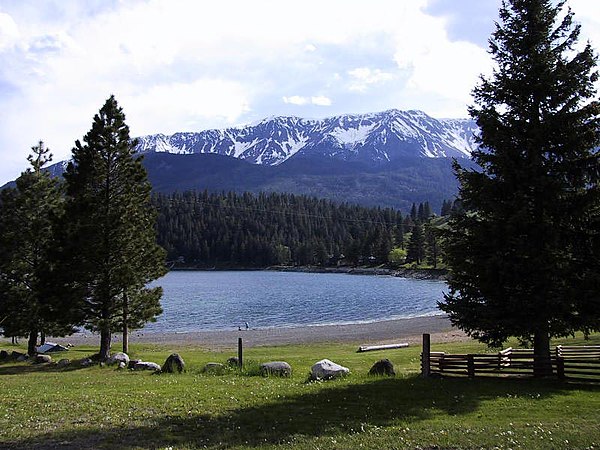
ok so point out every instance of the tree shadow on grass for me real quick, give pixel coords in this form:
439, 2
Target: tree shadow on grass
333, 409
13, 368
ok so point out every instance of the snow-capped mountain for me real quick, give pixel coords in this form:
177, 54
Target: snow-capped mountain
374, 138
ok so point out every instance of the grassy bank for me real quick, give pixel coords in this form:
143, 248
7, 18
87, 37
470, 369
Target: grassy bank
99, 407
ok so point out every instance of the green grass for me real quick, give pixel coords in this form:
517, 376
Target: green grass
100, 407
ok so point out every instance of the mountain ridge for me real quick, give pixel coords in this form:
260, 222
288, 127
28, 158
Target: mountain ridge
375, 138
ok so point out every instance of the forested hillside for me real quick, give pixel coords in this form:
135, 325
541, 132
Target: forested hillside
244, 230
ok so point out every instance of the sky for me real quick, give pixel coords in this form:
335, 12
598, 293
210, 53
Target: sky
191, 65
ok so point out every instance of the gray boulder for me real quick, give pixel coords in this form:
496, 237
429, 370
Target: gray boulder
174, 363
3, 355
16, 355
233, 361
86, 362
122, 365
133, 362
42, 359
63, 363
213, 368
326, 370
146, 365
22, 358
279, 368
118, 358
383, 367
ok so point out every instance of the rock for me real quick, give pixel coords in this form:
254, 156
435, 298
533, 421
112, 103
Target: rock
118, 358
122, 365
133, 362
16, 355
213, 367
325, 370
22, 358
279, 368
233, 361
147, 365
86, 362
3, 355
383, 367
174, 363
63, 363
42, 359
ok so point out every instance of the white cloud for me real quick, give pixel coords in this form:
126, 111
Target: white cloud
364, 76
319, 100
9, 31
296, 100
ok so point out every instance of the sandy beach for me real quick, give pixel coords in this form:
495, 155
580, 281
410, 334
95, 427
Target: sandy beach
384, 332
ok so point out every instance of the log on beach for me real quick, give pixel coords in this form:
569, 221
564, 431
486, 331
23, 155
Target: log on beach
370, 348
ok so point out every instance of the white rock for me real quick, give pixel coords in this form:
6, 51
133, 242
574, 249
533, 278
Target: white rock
144, 365
326, 369
118, 358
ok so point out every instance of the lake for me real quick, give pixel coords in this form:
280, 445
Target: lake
221, 300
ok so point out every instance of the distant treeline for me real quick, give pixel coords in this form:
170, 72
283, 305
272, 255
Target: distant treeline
204, 229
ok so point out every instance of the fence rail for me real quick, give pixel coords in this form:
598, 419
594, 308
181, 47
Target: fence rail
581, 363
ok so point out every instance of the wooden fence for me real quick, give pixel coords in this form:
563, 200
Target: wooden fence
580, 363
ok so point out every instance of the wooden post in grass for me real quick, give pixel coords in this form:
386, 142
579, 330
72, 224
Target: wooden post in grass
240, 352
425, 356
560, 364
471, 366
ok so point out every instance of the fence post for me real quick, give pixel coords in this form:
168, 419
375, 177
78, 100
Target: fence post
471, 366
560, 364
240, 348
425, 356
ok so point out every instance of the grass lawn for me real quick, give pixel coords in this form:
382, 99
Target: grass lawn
100, 407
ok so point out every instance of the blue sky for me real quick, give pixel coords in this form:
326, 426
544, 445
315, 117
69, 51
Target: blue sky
187, 65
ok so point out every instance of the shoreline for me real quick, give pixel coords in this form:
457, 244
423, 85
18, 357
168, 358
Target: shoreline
372, 333
417, 274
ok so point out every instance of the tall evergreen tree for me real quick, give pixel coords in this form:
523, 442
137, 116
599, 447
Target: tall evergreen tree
27, 213
522, 252
416, 245
110, 234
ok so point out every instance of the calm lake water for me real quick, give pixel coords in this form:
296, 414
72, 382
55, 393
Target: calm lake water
200, 301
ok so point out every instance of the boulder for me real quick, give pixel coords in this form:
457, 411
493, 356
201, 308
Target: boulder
3, 355
174, 363
326, 369
16, 355
383, 367
42, 359
213, 367
86, 362
147, 365
133, 362
22, 358
279, 368
118, 358
122, 365
63, 363
233, 361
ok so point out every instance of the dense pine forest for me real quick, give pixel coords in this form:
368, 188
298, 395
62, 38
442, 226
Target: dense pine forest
204, 229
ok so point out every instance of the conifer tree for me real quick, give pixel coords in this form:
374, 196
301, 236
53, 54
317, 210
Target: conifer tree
110, 234
521, 252
27, 213
416, 245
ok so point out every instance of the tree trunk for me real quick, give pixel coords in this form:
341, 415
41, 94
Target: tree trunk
104, 352
542, 364
125, 326
31, 343
42, 338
